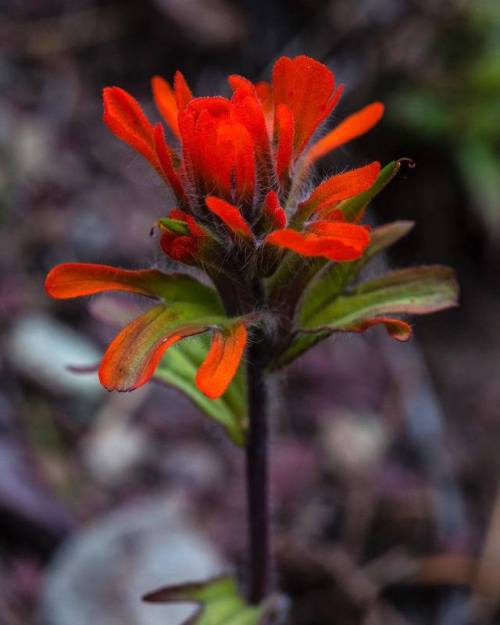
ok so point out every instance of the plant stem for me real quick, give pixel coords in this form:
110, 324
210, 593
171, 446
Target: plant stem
257, 470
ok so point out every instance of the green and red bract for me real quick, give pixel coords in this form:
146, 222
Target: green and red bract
270, 247
185, 307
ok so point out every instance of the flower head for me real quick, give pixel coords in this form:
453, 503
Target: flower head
246, 215
228, 154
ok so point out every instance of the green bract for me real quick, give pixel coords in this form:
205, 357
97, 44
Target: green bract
220, 603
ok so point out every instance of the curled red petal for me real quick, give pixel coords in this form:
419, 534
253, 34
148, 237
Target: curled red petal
396, 328
183, 248
79, 279
230, 215
350, 128
222, 361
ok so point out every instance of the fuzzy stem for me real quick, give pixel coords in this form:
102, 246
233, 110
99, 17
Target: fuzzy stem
257, 472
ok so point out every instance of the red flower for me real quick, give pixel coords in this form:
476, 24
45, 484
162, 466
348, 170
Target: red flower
237, 168
237, 150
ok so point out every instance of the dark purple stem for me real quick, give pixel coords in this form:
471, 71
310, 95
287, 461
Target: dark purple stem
258, 356
257, 470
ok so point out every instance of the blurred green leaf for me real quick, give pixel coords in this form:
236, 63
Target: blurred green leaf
481, 170
219, 602
418, 290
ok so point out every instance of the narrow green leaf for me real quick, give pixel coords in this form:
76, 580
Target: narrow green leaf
354, 207
219, 600
418, 290
178, 368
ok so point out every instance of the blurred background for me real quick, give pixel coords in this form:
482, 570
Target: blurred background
385, 466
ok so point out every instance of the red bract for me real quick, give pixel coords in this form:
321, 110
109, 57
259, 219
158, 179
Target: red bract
236, 150
238, 170
184, 307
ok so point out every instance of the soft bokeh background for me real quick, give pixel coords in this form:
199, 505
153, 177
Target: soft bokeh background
385, 456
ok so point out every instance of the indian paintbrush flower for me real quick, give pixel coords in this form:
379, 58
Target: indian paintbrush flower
248, 217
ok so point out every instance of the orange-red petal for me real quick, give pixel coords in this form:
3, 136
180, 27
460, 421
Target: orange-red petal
340, 187
78, 279
166, 102
307, 87
183, 94
248, 111
183, 248
125, 118
273, 211
164, 156
265, 94
284, 123
337, 241
237, 145
350, 128
132, 357
396, 328
222, 361
240, 82
229, 214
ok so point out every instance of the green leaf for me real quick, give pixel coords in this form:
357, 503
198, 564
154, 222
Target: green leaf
178, 368
332, 281
418, 290
354, 208
337, 276
219, 603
